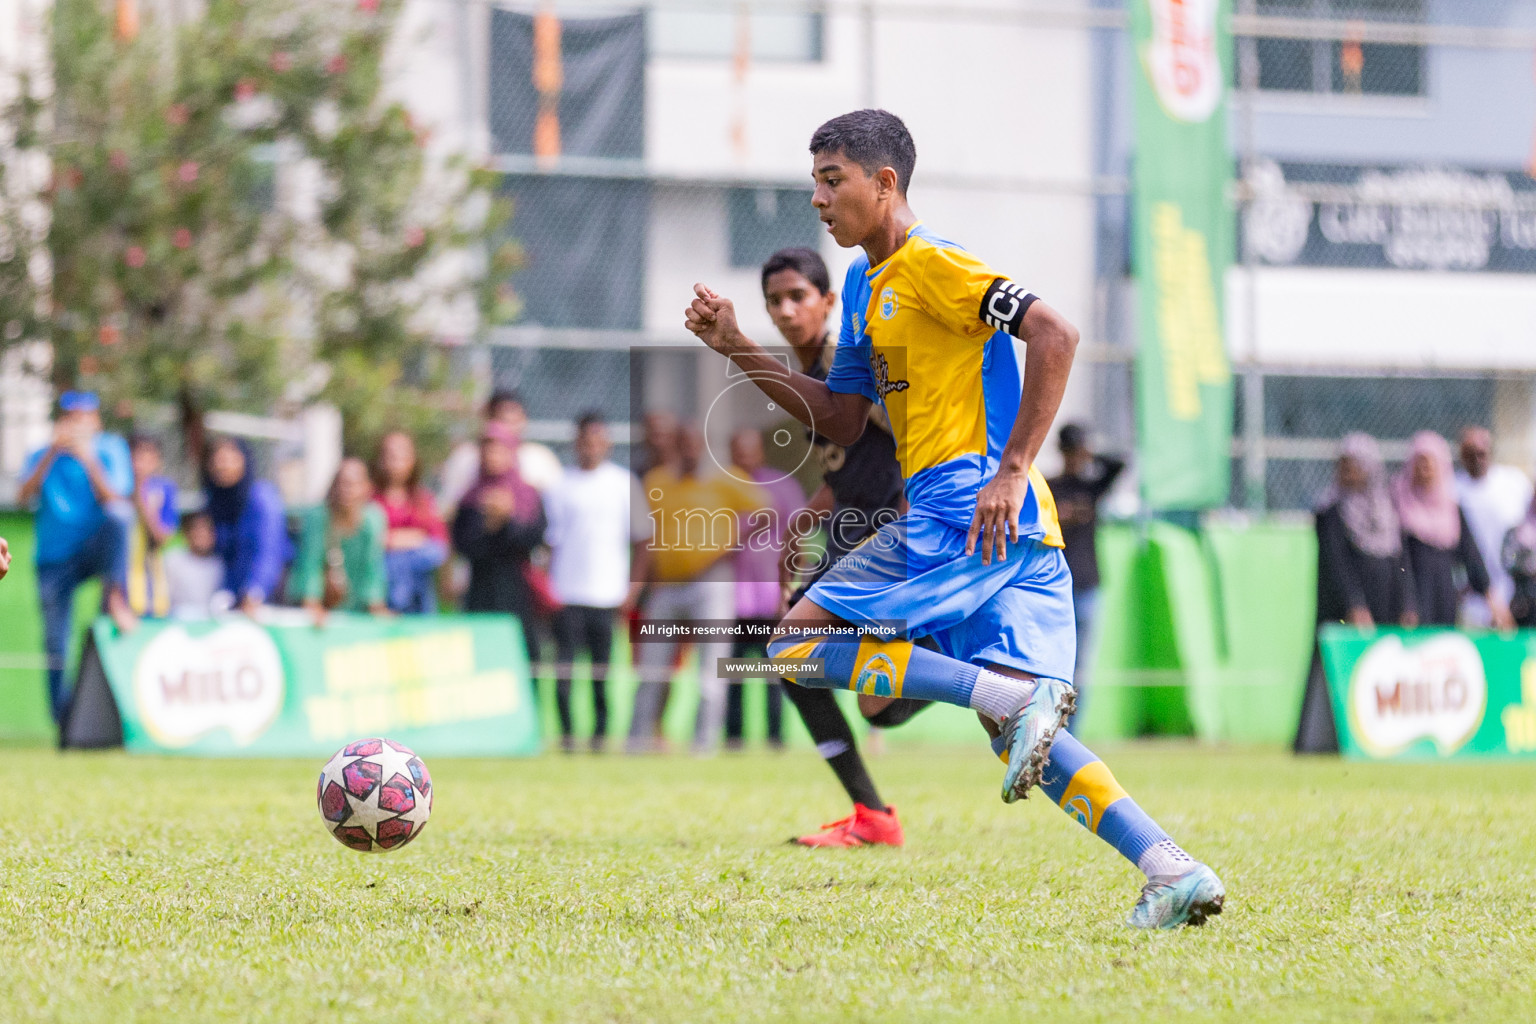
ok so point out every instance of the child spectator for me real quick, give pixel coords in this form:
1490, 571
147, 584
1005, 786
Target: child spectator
154, 506
417, 541
194, 574
340, 564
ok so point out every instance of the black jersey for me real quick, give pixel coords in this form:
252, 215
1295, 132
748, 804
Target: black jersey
865, 479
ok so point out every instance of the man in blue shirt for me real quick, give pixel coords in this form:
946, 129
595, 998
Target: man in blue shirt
79, 486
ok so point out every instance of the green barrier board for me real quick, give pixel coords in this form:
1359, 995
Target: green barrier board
1431, 694
446, 685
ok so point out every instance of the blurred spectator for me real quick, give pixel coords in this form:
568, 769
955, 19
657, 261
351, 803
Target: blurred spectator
250, 532
596, 517
417, 540
762, 580
1494, 499
1436, 539
658, 443
500, 521
5, 557
340, 564
80, 484
1519, 560
194, 573
1363, 577
690, 576
156, 516
537, 465
1085, 478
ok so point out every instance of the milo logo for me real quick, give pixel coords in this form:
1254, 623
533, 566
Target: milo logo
186, 687
1181, 59
1434, 690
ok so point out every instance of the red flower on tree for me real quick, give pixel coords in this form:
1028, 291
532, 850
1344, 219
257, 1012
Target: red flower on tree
118, 160
281, 61
337, 64
134, 256
109, 334
244, 89
414, 236
187, 172
182, 239
368, 6
177, 114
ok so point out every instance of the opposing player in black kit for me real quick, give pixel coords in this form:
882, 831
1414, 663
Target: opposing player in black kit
861, 490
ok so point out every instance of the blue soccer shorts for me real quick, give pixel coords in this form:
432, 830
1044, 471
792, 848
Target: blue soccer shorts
914, 571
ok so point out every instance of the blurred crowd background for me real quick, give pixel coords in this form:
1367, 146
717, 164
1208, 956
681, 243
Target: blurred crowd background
303, 238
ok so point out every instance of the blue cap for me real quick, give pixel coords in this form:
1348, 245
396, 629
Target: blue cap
79, 401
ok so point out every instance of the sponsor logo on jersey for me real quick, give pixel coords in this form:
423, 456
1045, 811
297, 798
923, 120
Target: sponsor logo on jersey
882, 372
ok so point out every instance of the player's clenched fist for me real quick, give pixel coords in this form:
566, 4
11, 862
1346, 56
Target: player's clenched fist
713, 319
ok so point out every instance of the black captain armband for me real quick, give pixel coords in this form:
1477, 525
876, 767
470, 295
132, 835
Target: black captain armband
1004, 305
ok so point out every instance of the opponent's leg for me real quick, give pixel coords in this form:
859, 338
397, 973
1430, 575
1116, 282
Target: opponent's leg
1179, 889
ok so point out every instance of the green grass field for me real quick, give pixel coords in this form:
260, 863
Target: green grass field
614, 889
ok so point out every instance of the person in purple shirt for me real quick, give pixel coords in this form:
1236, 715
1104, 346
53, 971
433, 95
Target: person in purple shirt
762, 579
251, 533
79, 485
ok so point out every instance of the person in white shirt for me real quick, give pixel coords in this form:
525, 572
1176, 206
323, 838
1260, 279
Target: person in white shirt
1494, 499
194, 574
597, 518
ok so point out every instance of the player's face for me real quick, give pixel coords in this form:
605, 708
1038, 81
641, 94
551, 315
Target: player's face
847, 200
798, 308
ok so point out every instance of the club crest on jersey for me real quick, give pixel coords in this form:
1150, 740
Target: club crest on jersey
877, 677
882, 372
888, 303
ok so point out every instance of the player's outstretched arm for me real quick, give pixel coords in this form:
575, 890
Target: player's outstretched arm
833, 415
1050, 343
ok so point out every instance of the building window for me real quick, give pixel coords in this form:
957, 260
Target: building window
765, 220
1341, 67
716, 35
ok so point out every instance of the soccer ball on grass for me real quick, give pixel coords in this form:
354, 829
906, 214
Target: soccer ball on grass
375, 795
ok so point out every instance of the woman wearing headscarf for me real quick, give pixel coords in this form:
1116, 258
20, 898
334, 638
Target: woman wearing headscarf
1362, 575
250, 532
1436, 539
1520, 562
499, 522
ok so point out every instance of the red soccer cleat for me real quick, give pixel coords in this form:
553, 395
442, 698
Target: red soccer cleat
864, 827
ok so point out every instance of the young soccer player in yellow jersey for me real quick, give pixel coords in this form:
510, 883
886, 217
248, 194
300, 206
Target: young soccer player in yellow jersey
976, 564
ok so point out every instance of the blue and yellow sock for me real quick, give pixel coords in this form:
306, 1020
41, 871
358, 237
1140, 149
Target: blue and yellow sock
1083, 786
898, 668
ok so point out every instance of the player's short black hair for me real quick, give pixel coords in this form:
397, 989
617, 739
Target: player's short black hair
590, 418
805, 262
872, 139
502, 397
1073, 438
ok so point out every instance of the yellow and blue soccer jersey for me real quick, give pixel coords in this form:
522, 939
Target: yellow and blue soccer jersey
920, 335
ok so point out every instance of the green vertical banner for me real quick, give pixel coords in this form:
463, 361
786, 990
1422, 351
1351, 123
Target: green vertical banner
1182, 244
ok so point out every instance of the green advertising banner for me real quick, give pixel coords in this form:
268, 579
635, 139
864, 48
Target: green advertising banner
1430, 694
1182, 244
442, 685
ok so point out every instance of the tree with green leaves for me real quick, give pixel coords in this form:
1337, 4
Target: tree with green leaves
228, 212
